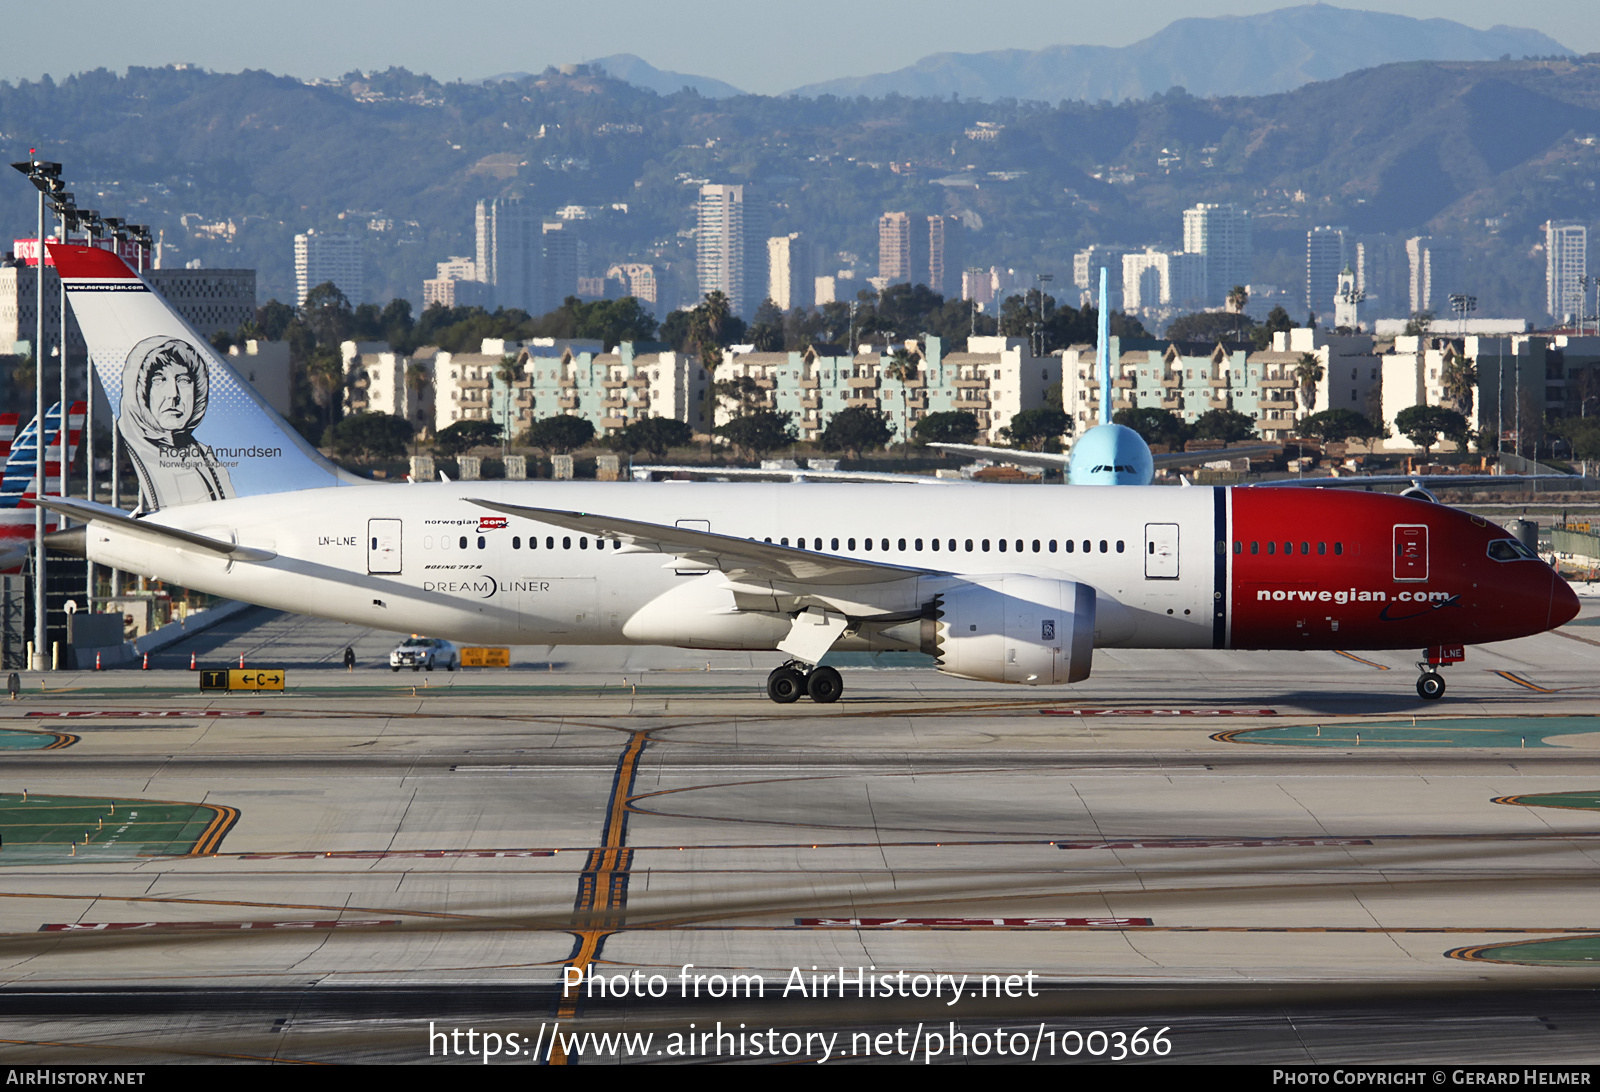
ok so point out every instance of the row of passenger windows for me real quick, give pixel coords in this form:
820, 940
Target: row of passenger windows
1271, 548
465, 543
982, 545
935, 545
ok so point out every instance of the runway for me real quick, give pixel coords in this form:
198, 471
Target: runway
1280, 857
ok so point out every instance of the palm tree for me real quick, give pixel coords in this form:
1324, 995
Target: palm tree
417, 381
509, 373
1308, 373
326, 375
1459, 379
1238, 297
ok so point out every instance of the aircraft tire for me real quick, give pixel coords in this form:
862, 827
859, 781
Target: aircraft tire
1431, 686
824, 685
785, 685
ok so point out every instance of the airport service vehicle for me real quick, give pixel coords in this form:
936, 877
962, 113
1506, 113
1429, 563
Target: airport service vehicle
424, 652
1014, 584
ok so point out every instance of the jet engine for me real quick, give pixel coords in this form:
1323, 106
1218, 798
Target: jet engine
1015, 629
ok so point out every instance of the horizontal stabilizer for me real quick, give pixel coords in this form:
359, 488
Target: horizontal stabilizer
91, 513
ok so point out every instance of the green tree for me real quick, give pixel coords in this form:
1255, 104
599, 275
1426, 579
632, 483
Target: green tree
755, 434
1209, 326
371, 436
947, 427
463, 436
1423, 425
273, 318
1227, 425
1418, 324
856, 429
1037, 429
560, 435
1334, 425
1278, 321
329, 315
652, 435
766, 329
1154, 425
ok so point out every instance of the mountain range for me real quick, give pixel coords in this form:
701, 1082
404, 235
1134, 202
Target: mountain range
1261, 54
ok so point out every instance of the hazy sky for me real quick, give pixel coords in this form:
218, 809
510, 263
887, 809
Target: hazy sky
766, 46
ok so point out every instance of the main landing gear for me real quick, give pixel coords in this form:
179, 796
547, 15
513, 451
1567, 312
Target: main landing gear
794, 680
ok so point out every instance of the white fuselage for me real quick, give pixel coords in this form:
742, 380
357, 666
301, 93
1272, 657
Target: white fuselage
424, 559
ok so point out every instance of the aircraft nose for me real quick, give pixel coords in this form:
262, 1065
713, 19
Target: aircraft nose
1563, 602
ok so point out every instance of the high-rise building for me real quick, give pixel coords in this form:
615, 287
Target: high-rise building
510, 239
946, 253
1381, 273
320, 258
560, 255
455, 284
1566, 263
791, 271
724, 265
1222, 234
1327, 254
895, 244
1152, 279
636, 279
1433, 265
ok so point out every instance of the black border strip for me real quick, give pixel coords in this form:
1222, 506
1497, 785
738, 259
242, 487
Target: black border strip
1219, 589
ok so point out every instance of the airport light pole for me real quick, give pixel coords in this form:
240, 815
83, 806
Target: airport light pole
46, 178
1463, 306
1041, 279
71, 217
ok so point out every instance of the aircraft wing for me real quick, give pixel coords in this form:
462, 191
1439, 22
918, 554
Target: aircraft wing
1198, 458
799, 475
1419, 481
1019, 458
738, 557
1048, 459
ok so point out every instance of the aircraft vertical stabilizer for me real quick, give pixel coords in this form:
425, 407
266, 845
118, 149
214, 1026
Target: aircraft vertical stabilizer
193, 428
1102, 353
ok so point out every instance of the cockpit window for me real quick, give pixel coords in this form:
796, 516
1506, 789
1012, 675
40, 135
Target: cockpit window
1509, 549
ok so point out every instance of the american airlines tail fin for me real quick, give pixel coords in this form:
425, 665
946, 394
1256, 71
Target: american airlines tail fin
19, 483
8, 433
193, 428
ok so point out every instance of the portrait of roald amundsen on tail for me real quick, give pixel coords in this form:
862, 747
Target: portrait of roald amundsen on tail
164, 391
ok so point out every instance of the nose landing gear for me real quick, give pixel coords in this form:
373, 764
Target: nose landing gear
794, 679
1430, 686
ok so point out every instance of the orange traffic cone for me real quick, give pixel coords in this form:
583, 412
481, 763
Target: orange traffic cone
97, 661
191, 661
146, 666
